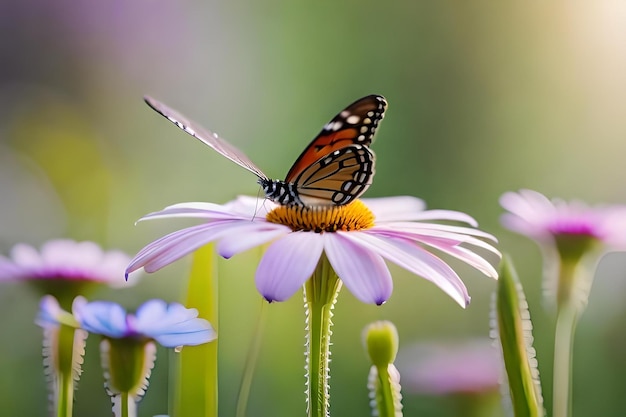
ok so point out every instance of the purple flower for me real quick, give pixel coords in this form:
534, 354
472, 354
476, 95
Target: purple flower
64, 259
356, 239
551, 221
171, 325
571, 235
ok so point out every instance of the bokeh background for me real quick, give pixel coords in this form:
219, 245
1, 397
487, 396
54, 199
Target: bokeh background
485, 97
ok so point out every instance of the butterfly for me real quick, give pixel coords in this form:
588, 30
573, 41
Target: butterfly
335, 169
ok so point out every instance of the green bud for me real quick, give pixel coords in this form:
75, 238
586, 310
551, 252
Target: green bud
381, 341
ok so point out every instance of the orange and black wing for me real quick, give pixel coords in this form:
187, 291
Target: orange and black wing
337, 178
355, 125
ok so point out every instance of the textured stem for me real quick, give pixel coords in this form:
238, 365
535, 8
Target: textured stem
386, 400
320, 295
65, 376
563, 354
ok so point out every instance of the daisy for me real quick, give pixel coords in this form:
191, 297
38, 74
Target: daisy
573, 227
572, 236
567, 233
128, 349
356, 239
63, 267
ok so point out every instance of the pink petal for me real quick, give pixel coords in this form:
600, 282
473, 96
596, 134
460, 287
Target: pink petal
416, 260
466, 255
287, 264
175, 245
233, 244
447, 215
364, 272
444, 231
207, 211
26, 256
395, 208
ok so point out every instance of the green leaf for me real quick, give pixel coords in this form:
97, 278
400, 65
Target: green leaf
514, 331
196, 393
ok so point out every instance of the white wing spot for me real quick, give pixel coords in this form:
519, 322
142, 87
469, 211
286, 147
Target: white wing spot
361, 138
337, 126
364, 129
367, 121
344, 114
354, 119
370, 114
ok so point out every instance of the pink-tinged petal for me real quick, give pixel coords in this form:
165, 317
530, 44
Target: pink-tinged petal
287, 264
174, 246
449, 246
443, 231
395, 208
26, 256
233, 244
416, 260
434, 238
363, 272
526, 203
206, 211
445, 215
469, 257
9, 270
251, 206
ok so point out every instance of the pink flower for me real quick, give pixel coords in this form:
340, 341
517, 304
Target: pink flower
534, 215
356, 239
64, 259
572, 237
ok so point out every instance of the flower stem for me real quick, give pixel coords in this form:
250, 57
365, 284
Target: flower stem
125, 404
320, 295
563, 353
196, 393
251, 361
65, 377
386, 401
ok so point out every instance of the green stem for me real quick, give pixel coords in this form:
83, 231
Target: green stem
196, 393
65, 377
251, 360
320, 294
125, 404
563, 354
385, 397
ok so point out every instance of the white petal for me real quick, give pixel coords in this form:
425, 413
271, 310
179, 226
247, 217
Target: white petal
395, 208
174, 246
287, 264
447, 215
196, 210
232, 244
417, 260
363, 271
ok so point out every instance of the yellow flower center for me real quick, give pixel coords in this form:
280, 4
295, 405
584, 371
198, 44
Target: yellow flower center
351, 217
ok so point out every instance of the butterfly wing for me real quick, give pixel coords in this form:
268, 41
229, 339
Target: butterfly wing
356, 124
205, 136
337, 178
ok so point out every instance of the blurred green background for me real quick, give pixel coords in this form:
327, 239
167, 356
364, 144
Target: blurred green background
485, 97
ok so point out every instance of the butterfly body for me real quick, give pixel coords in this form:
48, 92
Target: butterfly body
335, 169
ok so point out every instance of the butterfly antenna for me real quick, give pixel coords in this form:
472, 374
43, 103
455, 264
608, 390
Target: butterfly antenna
256, 207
